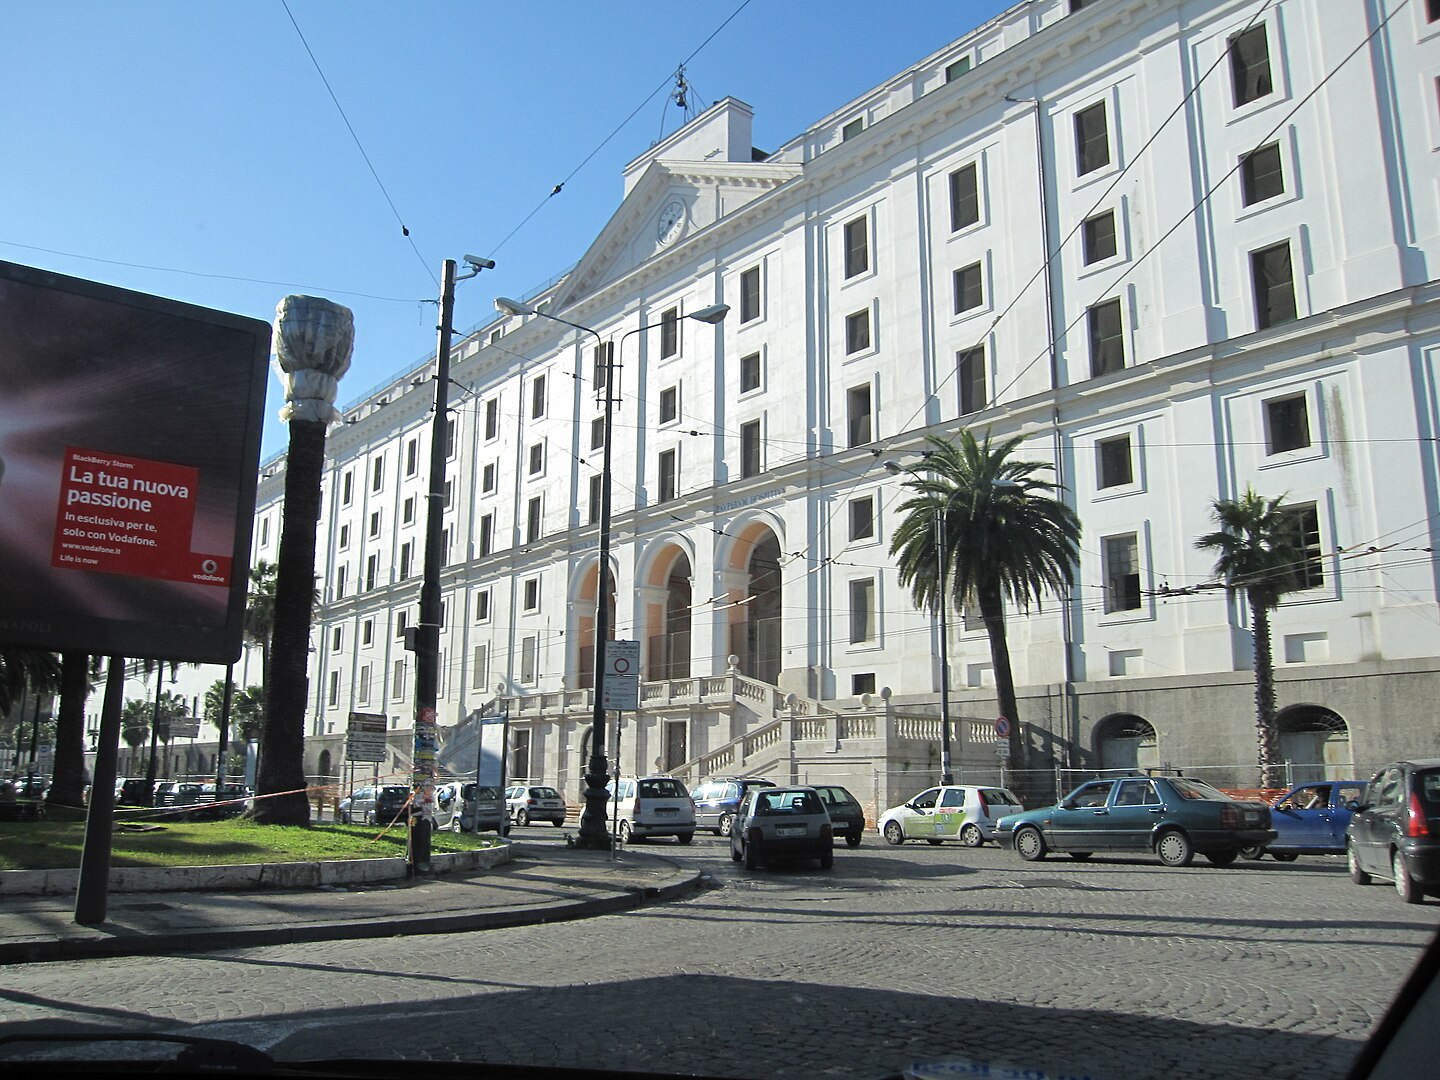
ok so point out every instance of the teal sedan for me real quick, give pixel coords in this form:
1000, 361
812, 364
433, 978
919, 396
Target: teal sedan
1173, 816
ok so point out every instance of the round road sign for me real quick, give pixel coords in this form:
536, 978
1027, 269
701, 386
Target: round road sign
1002, 727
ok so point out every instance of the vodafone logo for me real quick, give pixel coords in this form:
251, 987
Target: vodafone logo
209, 566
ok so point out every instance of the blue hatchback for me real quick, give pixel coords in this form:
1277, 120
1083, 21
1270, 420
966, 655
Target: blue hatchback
717, 800
1310, 819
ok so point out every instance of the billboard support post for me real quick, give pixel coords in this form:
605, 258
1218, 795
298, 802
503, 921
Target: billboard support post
92, 894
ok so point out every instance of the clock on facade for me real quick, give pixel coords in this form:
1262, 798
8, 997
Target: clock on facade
670, 222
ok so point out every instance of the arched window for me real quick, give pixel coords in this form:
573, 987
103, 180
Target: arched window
1126, 742
1315, 744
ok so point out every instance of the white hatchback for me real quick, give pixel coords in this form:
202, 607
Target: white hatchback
955, 812
652, 806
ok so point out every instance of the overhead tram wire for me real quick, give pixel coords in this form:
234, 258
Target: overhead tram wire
404, 229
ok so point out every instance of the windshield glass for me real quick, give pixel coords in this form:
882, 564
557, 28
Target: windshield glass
661, 789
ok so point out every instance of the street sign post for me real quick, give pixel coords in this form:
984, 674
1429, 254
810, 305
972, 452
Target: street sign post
620, 683
365, 737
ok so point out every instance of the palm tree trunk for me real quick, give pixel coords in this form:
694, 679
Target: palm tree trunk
1265, 736
282, 748
992, 611
68, 785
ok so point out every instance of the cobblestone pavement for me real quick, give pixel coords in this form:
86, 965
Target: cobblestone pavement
1114, 968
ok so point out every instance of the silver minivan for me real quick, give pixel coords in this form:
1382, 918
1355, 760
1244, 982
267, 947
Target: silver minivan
652, 806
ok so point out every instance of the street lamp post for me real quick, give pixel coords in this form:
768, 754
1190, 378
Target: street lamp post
593, 832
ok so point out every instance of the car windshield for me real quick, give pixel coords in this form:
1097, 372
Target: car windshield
1427, 783
787, 802
1188, 788
835, 796
662, 788
544, 793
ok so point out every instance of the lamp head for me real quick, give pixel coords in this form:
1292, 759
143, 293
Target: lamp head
713, 314
506, 306
893, 467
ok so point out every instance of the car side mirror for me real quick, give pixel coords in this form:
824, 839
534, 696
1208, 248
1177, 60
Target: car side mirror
1354, 804
1066, 804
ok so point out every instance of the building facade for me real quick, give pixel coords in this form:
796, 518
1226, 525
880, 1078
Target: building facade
1181, 247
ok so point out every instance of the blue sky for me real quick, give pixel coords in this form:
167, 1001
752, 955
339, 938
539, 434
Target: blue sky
191, 149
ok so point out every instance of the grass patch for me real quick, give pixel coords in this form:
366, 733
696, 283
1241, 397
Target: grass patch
56, 845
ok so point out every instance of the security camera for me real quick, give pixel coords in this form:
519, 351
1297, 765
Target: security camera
479, 263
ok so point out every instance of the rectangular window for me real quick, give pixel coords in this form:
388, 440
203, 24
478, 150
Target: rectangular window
596, 482
969, 288
974, 393
537, 459
956, 68
669, 332
367, 631
853, 128
857, 247
449, 494
532, 521
862, 518
492, 418
750, 448
377, 474
372, 568
1116, 468
480, 667
412, 457
1287, 424
487, 479
599, 371
397, 680
857, 409
1099, 235
402, 623
445, 546
374, 524
1274, 285
364, 691
344, 537
862, 610
1092, 139
407, 511
495, 335
487, 534
537, 397
482, 606
532, 594
750, 373
1250, 65
407, 553
1122, 573
1262, 175
597, 433
264, 531
340, 582
334, 695
347, 487
1304, 522
750, 294
669, 404
857, 331
1107, 343
529, 655
964, 197
862, 683
520, 754
667, 475
337, 638
450, 429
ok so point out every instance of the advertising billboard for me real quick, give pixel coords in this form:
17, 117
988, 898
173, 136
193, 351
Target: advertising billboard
129, 446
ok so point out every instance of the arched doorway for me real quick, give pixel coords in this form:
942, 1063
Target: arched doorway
585, 609
324, 764
755, 629
668, 648
1315, 744
1126, 742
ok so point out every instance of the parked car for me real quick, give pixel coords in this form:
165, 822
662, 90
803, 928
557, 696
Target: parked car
1173, 816
1395, 830
482, 809
534, 802
1310, 819
847, 816
447, 803
782, 823
130, 791
652, 806
717, 799
374, 805
963, 812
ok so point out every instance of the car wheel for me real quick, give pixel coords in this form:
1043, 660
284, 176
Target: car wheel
369, 817
624, 832
1360, 877
932, 841
894, 834
1284, 856
735, 856
521, 817
1222, 858
752, 857
685, 837
1081, 856
1030, 844
1253, 852
971, 836
722, 827
852, 839
344, 817
827, 860
1405, 885
1174, 848
559, 823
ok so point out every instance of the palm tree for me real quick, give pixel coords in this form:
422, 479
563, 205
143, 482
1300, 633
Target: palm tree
23, 672
135, 723
260, 612
1262, 555
67, 786
1007, 538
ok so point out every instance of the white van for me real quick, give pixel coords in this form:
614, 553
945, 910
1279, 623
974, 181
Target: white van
652, 806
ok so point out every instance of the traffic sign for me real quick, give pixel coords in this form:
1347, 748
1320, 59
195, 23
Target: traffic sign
1002, 727
1002, 749
620, 682
365, 737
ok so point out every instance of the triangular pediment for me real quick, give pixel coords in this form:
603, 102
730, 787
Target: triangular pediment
668, 206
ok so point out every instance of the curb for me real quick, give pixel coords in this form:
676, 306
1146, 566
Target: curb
96, 944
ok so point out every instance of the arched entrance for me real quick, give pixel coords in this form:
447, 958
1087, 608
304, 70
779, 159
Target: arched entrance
1315, 744
324, 764
1128, 742
755, 614
668, 619
584, 611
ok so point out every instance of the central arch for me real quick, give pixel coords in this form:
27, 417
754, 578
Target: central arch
584, 608
1126, 742
756, 636
1315, 744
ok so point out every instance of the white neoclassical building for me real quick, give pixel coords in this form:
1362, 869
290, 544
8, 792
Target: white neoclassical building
1182, 247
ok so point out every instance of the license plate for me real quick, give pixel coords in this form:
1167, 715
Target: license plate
667, 810
790, 830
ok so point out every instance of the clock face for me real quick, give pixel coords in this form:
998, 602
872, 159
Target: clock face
670, 222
